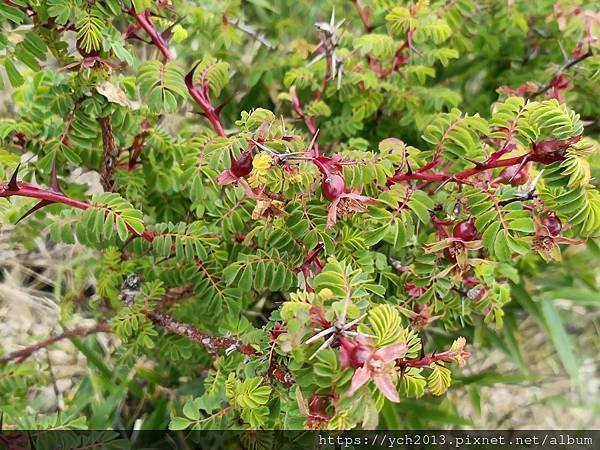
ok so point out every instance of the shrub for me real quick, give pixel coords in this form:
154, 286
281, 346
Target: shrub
306, 223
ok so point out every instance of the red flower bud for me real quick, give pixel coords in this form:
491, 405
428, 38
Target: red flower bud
465, 230
333, 186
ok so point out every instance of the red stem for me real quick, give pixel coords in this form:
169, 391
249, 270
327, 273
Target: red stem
364, 16
397, 62
146, 23
204, 103
427, 360
461, 175
31, 191
144, 20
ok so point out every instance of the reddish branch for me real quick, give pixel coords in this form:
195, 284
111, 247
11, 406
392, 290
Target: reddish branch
543, 152
566, 66
211, 343
428, 360
198, 93
310, 121
21, 355
364, 16
400, 58
420, 175
16, 188
145, 21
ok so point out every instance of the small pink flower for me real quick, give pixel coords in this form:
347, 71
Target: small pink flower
379, 366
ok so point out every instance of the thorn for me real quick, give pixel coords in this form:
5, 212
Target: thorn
312, 142
320, 334
166, 35
525, 161
12, 184
189, 78
472, 161
445, 182
264, 148
37, 206
223, 104
323, 346
54, 179
316, 59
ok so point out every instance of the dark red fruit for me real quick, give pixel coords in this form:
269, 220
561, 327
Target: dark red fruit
465, 230
553, 224
552, 150
241, 166
514, 176
333, 186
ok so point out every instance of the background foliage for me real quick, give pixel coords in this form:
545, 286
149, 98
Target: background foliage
393, 172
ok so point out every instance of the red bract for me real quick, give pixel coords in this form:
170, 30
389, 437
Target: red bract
465, 230
514, 175
317, 316
278, 330
560, 82
354, 353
